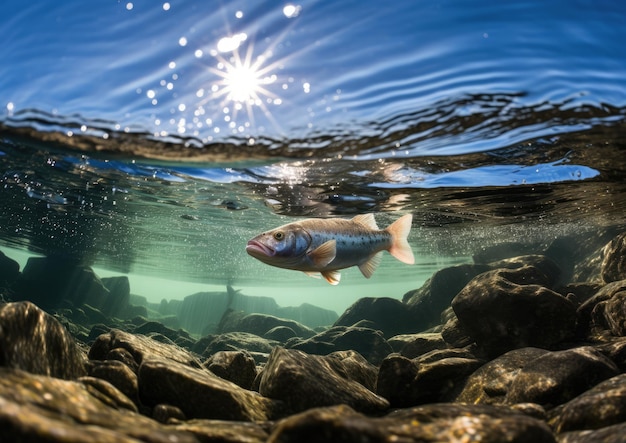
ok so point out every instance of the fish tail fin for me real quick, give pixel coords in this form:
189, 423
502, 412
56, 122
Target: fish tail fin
400, 247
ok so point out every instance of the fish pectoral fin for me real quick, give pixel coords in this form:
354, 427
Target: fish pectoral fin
368, 268
324, 253
332, 277
313, 274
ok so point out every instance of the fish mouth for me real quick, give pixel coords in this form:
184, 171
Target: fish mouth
256, 249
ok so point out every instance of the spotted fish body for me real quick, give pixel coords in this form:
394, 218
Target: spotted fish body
327, 245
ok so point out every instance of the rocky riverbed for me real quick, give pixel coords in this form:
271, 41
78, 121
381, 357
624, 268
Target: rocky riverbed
524, 344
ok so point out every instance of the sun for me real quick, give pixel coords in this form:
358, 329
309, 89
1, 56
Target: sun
243, 81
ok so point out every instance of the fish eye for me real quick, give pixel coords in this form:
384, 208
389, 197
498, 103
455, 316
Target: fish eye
279, 235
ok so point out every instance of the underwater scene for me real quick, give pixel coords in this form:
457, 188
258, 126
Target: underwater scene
313, 221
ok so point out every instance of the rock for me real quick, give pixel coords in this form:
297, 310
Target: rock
586, 252
307, 314
239, 341
612, 314
369, 343
593, 320
203, 310
118, 374
140, 348
430, 423
614, 259
221, 431
579, 293
260, 324
543, 264
616, 351
164, 413
388, 315
201, 394
454, 334
118, 301
405, 382
508, 309
609, 434
600, 406
280, 333
40, 408
151, 327
36, 342
9, 270
353, 366
305, 381
235, 366
556, 377
48, 282
414, 345
490, 383
428, 302
107, 393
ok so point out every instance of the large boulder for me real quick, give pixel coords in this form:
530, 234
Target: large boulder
37, 408
48, 282
507, 309
428, 302
429, 423
432, 377
201, 394
306, 381
34, 341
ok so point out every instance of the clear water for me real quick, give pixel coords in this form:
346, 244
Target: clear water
154, 139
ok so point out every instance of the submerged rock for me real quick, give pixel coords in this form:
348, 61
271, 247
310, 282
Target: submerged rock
305, 381
556, 377
388, 315
235, 366
614, 259
433, 377
119, 345
368, 342
600, 316
36, 342
508, 309
491, 382
239, 341
40, 408
599, 407
48, 282
428, 302
260, 324
414, 345
201, 394
9, 270
430, 423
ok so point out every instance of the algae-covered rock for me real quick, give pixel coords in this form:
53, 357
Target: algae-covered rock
305, 381
36, 342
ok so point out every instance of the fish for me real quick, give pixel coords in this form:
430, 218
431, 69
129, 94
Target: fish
324, 246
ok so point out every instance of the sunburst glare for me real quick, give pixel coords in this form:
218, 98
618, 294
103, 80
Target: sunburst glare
243, 83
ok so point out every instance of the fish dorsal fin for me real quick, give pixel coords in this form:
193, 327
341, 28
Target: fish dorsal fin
368, 268
366, 220
332, 277
324, 253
